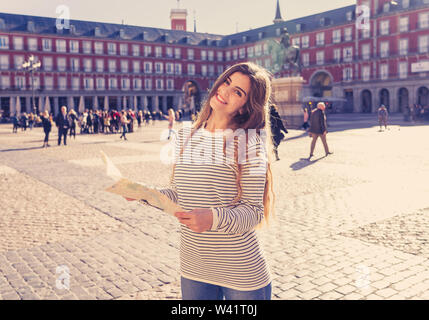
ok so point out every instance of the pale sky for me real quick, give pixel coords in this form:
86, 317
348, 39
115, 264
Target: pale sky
213, 16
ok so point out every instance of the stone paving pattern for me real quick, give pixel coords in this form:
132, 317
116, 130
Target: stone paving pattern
353, 225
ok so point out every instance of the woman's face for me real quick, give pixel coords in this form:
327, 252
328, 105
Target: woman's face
231, 96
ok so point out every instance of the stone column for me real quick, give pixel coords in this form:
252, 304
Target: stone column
12, 103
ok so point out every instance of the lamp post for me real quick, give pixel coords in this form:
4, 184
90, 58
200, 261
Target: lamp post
32, 66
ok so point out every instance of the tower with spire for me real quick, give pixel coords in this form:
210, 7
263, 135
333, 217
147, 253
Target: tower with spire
178, 18
278, 17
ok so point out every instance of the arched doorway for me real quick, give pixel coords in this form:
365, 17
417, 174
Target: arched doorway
423, 96
191, 96
384, 98
366, 100
321, 85
403, 102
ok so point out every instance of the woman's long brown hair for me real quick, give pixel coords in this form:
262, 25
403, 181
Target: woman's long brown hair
255, 115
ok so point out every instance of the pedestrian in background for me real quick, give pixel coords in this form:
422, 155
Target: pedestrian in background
47, 126
24, 122
124, 123
73, 122
15, 123
63, 125
171, 119
318, 128
277, 129
382, 117
31, 120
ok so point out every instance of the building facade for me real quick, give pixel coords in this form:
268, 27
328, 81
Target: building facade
375, 52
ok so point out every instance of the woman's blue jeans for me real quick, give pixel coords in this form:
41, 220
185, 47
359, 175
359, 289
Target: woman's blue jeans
195, 290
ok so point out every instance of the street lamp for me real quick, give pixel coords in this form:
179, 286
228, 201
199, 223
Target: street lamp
32, 66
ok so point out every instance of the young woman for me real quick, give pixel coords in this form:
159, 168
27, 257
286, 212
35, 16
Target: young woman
171, 119
47, 126
222, 178
124, 123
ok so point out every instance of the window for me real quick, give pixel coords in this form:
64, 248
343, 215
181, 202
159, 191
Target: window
267, 63
112, 65
18, 43
47, 63
159, 84
384, 71
211, 70
74, 46
87, 47
123, 48
424, 20
250, 52
384, 27
136, 50
348, 54
211, 55
49, 83
366, 73
384, 49
403, 47
320, 57
124, 66
423, 44
158, 52
404, 23
366, 51
336, 36
170, 84
87, 65
204, 70
111, 48
220, 56
100, 65
20, 82
47, 44
36, 83
75, 83
18, 60
228, 56
235, 54
5, 82
337, 55
32, 45
191, 69
305, 42
125, 84
98, 47
4, 42
403, 69
296, 42
305, 59
169, 68
347, 74
61, 64
100, 84
113, 83
159, 68
62, 83
74, 63
190, 54
242, 53
147, 51
265, 47
320, 39
137, 84
148, 84
178, 68
136, 66
405, 4
348, 34
148, 67
60, 45
203, 55
169, 52
177, 53
366, 33
219, 69
4, 62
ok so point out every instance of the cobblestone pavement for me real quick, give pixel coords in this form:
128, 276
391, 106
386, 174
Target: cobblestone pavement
353, 225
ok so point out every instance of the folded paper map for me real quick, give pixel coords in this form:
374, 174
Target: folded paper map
132, 190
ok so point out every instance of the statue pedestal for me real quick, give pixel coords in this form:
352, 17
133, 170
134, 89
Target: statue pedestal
287, 95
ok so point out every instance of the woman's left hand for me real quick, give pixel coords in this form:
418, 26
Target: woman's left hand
198, 220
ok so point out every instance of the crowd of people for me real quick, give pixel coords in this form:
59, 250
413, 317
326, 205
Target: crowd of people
93, 122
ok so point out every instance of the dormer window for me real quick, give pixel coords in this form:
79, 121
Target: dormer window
405, 4
30, 26
245, 39
122, 33
386, 7
2, 25
349, 15
260, 35
97, 32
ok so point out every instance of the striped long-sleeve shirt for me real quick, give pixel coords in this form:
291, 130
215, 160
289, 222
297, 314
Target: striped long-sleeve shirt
229, 254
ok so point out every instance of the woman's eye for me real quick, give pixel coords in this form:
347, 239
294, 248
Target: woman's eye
238, 93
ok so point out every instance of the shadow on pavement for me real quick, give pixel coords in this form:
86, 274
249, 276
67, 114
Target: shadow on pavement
21, 149
303, 163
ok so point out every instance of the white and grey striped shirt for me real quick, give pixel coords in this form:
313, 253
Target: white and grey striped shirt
229, 254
